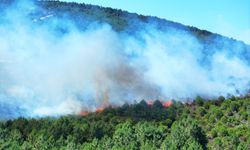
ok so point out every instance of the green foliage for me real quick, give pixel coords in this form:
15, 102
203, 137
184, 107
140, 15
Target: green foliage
187, 133
201, 111
203, 124
138, 126
199, 101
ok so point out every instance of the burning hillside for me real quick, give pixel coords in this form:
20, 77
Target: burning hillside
150, 103
55, 60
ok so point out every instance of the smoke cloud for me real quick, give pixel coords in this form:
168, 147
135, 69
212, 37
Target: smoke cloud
44, 71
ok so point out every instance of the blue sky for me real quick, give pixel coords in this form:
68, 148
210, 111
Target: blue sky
226, 17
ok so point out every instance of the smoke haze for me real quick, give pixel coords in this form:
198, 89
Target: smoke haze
44, 71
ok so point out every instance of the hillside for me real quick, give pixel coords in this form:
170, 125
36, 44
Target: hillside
84, 15
217, 124
77, 76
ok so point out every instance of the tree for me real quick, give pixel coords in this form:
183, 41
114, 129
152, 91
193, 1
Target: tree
221, 98
192, 145
234, 106
184, 131
148, 133
201, 111
199, 101
124, 136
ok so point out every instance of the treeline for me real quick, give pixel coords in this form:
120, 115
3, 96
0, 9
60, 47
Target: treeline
202, 124
84, 16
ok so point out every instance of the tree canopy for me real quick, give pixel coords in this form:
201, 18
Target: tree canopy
215, 124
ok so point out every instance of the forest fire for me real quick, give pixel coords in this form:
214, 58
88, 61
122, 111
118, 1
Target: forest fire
150, 103
164, 103
99, 110
167, 103
84, 113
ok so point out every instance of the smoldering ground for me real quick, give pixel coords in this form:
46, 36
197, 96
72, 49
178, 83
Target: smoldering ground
46, 72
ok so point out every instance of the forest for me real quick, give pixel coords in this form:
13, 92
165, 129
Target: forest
202, 124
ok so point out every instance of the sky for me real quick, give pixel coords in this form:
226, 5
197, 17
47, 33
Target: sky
227, 17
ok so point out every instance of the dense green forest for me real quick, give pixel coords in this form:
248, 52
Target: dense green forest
202, 124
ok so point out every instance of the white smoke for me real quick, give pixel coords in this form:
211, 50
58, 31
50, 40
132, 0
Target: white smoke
46, 72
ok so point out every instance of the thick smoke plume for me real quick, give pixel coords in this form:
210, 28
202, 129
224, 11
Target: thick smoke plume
44, 71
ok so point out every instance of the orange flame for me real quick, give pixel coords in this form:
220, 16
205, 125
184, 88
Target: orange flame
167, 103
84, 113
150, 102
100, 109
